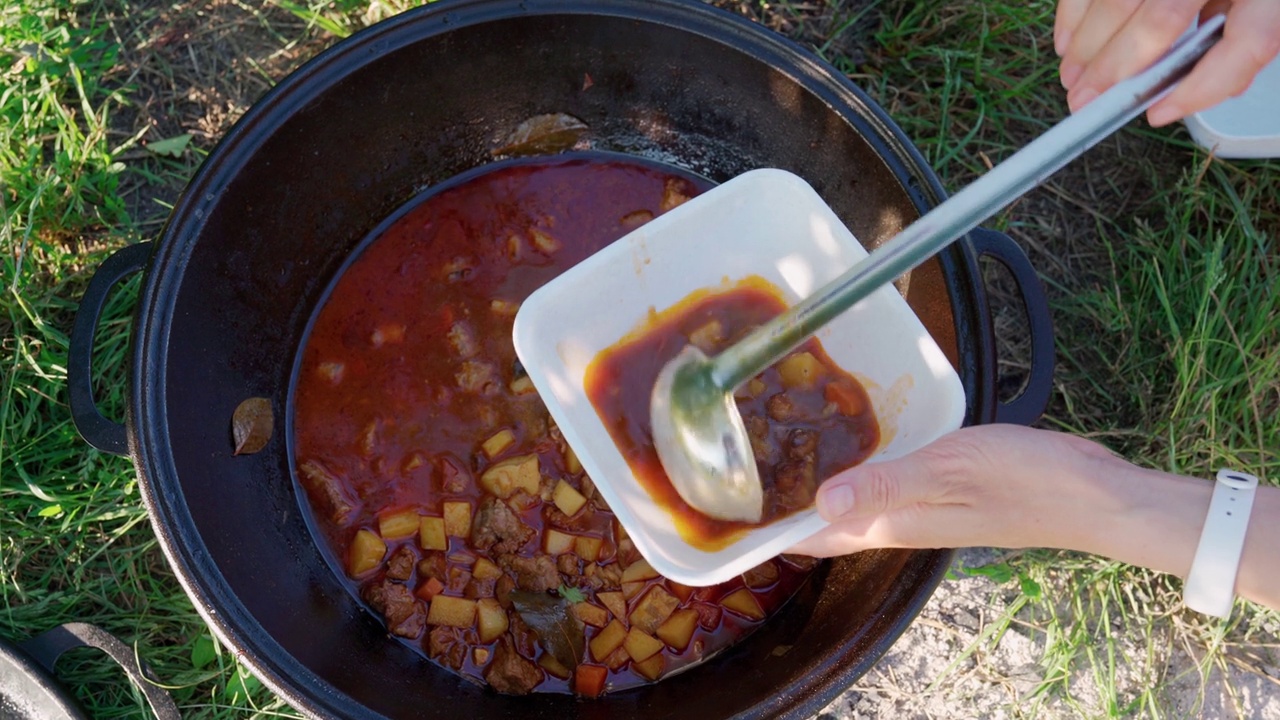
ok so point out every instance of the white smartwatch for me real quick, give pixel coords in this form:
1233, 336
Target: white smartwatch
1211, 585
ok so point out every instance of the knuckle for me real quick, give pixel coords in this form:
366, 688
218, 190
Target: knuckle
878, 491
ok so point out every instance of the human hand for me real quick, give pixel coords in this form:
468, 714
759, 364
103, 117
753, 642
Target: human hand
990, 485
1104, 41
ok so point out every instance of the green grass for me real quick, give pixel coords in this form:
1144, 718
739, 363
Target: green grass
1161, 263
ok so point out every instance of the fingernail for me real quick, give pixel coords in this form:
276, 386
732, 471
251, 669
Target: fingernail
1062, 41
835, 501
1081, 98
1069, 73
1161, 115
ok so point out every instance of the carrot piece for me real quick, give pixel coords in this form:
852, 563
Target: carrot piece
588, 680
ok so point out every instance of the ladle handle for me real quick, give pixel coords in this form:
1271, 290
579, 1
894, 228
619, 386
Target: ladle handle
961, 213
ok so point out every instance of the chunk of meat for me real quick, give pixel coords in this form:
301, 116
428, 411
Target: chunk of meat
511, 673
525, 639
535, 574
761, 576
780, 407
762, 445
459, 578
569, 564
502, 590
462, 338
802, 562
603, 577
802, 445
330, 490
376, 595
447, 646
404, 613
400, 565
479, 588
496, 528
578, 522
432, 565
478, 376
453, 474
796, 483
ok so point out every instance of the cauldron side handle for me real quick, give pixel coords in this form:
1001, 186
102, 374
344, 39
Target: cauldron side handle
47, 647
100, 432
1031, 403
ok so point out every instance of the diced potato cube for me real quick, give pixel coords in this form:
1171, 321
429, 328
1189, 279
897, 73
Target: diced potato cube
429, 589
743, 602
517, 473
432, 535
555, 542
457, 518
451, 611
650, 669
632, 589
616, 603
617, 658
684, 592
543, 241
480, 655
522, 385
486, 570
678, 629
588, 680
707, 337
592, 615
571, 462
506, 308
641, 646
492, 619
653, 609
569, 501
847, 399
553, 666
398, 525
502, 440
367, 551
608, 640
800, 370
587, 547
639, 570
619, 532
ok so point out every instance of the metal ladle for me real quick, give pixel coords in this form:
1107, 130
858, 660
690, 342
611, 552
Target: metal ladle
697, 430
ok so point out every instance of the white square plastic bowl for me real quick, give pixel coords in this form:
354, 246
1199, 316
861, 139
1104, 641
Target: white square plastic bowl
768, 223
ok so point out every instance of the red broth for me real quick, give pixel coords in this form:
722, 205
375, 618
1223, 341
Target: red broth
808, 419
437, 478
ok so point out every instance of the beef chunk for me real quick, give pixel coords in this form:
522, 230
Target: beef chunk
458, 580
329, 490
796, 483
478, 376
502, 590
447, 646
453, 474
404, 613
535, 574
478, 588
576, 523
432, 565
762, 444
603, 577
568, 564
376, 595
802, 562
511, 673
496, 528
526, 641
400, 565
780, 407
802, 445
761, 576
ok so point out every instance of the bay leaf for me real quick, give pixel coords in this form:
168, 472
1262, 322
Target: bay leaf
542, 134
557, 628
251, 425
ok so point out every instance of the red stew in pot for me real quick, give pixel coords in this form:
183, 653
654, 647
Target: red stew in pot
437, 478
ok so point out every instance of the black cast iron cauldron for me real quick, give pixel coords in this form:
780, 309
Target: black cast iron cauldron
355, 133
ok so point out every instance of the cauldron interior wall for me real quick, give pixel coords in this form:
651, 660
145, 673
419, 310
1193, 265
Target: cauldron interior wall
295, 188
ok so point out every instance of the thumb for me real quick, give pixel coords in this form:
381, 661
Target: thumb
875, 488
